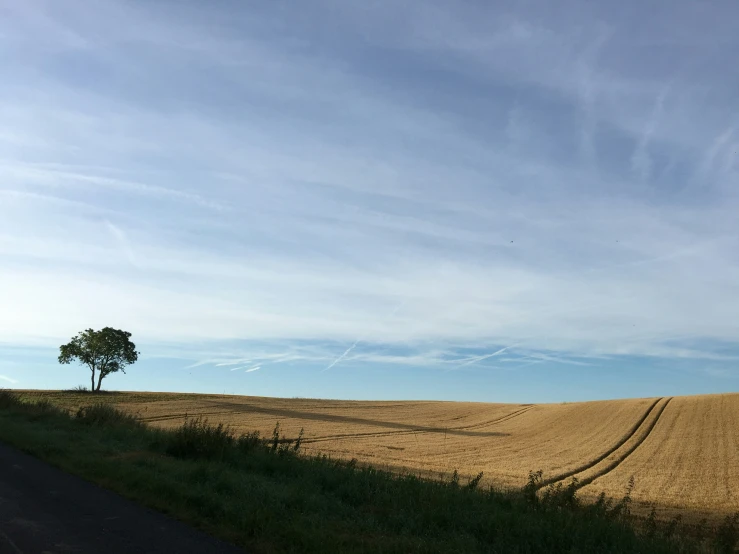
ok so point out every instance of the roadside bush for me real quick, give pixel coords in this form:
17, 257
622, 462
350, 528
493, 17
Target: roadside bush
727, 535
106, 415
42, 407
33, 410
474, 482
284, 446
9, 399
198, 439
248, 442
532, 486
561, 496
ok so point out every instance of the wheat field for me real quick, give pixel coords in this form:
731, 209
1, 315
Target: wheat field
683, 452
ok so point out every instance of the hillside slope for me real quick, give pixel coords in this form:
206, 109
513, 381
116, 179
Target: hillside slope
683, 452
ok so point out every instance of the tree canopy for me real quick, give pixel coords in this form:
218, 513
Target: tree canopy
104, 352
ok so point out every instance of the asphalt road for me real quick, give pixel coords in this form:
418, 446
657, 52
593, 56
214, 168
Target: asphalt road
44, 510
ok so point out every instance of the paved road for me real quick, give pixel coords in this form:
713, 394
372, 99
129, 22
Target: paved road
44, 511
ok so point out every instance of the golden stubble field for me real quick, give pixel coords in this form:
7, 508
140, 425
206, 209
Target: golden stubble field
683, 452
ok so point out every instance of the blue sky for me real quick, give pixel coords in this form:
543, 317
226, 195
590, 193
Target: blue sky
524, 202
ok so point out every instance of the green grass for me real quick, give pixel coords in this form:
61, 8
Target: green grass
261, 494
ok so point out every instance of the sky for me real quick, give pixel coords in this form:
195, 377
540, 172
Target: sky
486, 201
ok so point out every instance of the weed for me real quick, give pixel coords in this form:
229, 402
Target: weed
454, 482
41, 410
700, 530
9, 400
34, 410
474, 482
532, 485
727, 535
106, 415
276, 437
602, 507
78, 389
622, 509
672, 526
650, 525
283, 446
561, 496
298, 441
248, 442
198, 439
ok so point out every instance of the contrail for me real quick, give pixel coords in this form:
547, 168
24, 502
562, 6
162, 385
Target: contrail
234, 362
360, 339
123, 242
344, 355
485, 357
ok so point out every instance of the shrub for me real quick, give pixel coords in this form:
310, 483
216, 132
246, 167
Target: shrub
474, 482
33, 410
650, 525
281, 445
106, 415
727, 535
198, 439
533, 485
559, 496
298, 441
622, 510
602, 507
454, 482
700, 529
672, 526
249, 441
9, 400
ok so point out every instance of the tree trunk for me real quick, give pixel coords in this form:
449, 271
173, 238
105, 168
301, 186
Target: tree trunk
100, 380
92, 380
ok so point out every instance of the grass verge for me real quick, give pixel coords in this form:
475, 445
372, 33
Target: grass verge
260, 493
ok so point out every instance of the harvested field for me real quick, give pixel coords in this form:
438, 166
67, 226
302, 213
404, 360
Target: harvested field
690, 461
683, 451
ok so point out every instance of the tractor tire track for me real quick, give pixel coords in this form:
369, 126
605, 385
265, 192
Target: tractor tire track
615, 463
634, 429
496, 421
183, 416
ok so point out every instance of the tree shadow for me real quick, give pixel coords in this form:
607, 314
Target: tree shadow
317, 416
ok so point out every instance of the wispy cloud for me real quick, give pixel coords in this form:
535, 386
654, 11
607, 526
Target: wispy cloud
8, 379
641, 161
122, 240
563, 190
713, 164
252, 369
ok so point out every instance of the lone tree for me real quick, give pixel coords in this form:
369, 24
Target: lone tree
104, 352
